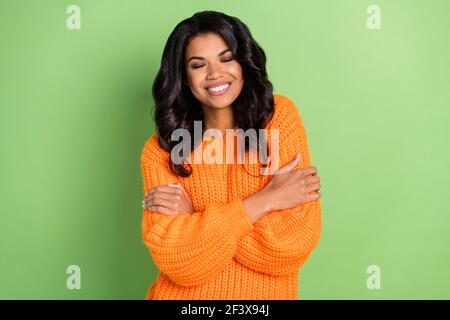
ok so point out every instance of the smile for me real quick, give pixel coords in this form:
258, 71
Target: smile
219, 90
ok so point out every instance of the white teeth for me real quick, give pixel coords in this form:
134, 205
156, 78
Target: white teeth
219, 88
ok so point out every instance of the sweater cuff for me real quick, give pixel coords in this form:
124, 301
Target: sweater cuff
239, 214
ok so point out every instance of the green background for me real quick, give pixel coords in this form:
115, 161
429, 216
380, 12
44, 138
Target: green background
76, 111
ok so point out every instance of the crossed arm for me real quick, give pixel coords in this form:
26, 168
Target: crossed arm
282, 240
193, 248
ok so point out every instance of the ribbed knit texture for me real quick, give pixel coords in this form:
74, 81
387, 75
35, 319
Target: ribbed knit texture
216, 252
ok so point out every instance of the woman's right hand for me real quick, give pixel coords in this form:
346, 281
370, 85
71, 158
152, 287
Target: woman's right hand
169, 199
291, 187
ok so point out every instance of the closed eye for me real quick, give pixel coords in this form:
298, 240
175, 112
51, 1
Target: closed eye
201, 65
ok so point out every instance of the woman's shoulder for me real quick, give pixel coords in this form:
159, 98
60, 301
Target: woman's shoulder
285, 111
277, 97
153, 151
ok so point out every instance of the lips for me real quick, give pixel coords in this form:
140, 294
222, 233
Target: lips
219, 88
217, 84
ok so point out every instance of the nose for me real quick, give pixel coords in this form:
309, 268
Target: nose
214, 71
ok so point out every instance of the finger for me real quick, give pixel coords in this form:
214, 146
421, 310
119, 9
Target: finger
311, 179
164, 188
313, 196
185, 193
313, 187
177, 185
191, 209
163, 210
291, 165
169, 204
174, 195
308, 171
149, 204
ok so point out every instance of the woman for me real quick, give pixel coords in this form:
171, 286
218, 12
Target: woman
225, 231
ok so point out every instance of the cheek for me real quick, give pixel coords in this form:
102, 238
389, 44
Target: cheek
194, 81
237, 72
195, 85
238, 76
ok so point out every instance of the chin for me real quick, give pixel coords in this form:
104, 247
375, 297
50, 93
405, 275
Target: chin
219, 104
221, 101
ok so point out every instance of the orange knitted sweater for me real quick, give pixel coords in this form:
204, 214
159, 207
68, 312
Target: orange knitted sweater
216, 252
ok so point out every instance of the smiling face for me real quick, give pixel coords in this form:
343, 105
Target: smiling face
213, 74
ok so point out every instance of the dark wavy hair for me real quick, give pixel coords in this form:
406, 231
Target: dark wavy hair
175, 105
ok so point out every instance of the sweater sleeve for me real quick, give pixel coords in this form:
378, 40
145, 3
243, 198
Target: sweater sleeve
190, 248
282, 240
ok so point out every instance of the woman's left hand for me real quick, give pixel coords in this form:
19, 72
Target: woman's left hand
169, 199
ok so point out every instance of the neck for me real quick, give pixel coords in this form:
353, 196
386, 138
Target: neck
221, 118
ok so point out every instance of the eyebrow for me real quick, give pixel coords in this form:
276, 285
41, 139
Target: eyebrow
201, 58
